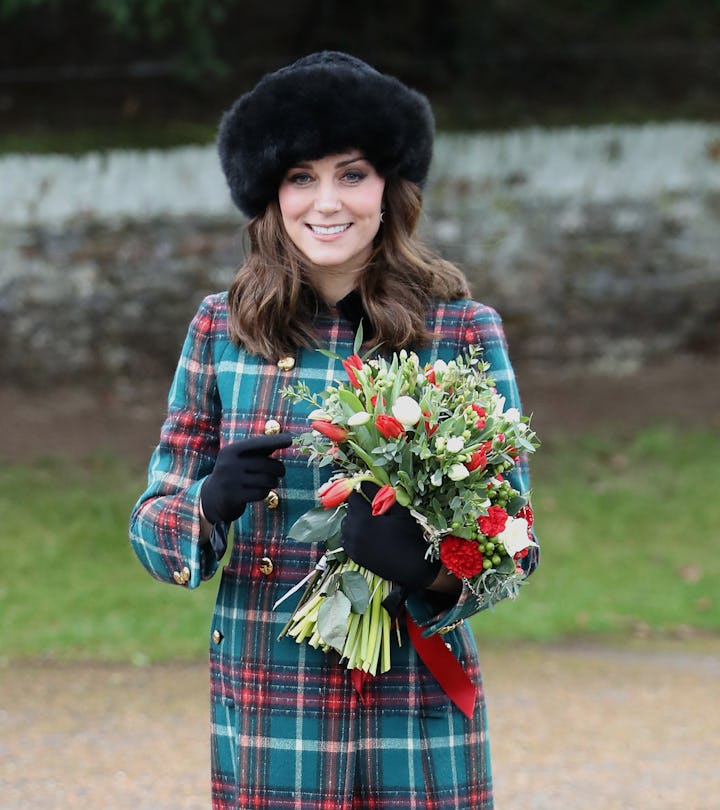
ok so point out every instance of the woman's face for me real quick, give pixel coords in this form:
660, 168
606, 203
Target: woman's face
331, 210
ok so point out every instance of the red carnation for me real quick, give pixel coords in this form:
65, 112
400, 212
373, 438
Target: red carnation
494, 522
350, 365
389, 426
527, 513
461, 557
384, 498
335, 433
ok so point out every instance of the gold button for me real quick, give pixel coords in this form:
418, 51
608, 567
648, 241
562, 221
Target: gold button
286, 363
266, 566
272, 499
217, 636
182, 577
272, 426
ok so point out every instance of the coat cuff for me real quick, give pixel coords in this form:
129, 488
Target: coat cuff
430, 620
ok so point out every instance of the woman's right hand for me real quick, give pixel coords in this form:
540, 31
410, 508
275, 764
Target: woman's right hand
243, 472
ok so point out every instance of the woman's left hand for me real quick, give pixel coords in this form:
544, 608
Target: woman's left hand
390, 545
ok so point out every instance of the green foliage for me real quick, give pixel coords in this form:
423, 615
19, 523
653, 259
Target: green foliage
630, 547
131, 135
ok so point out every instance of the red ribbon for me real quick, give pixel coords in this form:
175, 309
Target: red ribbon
443, 665
358, 678
445, 668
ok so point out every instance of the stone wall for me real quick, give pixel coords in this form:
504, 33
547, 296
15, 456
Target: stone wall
599, 246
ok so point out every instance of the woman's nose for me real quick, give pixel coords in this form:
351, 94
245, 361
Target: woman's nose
327, 200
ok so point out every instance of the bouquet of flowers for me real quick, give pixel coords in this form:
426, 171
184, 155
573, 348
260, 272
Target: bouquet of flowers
437, 440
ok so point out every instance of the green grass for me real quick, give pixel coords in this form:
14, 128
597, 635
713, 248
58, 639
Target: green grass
629, 532
71, 586
630, 538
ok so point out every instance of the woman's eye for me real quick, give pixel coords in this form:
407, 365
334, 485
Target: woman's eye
354, 176
299, 178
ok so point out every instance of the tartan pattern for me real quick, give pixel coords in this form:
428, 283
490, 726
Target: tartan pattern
288, 730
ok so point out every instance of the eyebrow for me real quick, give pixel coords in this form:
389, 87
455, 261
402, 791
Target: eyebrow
304, 164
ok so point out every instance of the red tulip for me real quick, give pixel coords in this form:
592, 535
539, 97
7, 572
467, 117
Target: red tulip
384, 498
430, 376
350, 365
389, 426
335, 433
429, 430
333, 493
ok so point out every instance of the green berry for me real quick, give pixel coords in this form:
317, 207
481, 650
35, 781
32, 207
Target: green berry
496, 559
487, 563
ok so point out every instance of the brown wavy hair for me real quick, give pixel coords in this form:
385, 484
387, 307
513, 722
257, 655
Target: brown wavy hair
271, 304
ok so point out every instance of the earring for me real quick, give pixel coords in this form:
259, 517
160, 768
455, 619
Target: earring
382, 215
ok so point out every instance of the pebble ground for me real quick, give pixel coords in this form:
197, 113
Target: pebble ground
572, 728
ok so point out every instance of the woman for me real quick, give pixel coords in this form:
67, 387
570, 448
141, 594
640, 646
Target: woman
327, 158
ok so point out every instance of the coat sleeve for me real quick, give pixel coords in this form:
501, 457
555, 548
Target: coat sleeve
482, 327
165, 522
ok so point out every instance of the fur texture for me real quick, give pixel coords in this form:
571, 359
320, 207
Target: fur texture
323, 104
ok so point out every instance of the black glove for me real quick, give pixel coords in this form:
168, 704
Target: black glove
243, 472
390, 545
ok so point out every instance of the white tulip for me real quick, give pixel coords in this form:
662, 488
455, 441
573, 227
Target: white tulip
319, 415
407, 411
515, 536
359, 418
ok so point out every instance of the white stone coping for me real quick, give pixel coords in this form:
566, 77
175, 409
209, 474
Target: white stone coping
587, 164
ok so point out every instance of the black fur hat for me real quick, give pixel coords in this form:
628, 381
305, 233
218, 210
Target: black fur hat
323, 104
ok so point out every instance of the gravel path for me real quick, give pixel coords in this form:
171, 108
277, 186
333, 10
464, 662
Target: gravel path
573, 728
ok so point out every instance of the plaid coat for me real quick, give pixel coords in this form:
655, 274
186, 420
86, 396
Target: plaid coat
288, 730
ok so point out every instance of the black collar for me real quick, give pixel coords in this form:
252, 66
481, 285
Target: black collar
351, 308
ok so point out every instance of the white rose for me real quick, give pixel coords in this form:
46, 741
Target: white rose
515, 536
455, 444
457, 472
407, 411
359, 418
512, 415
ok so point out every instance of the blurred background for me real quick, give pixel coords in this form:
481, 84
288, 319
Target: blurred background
576, 180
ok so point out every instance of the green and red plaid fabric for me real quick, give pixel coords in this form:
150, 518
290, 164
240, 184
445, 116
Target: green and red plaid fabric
288, 730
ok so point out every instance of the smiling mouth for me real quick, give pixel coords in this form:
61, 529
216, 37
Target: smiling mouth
323, 230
